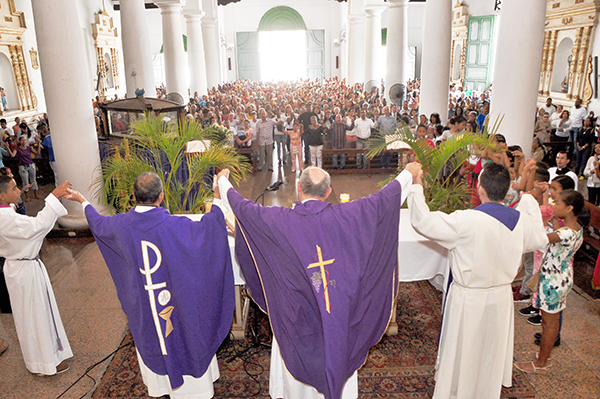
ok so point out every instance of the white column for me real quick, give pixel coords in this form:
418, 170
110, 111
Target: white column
373, 70
517, 69
139, 72
435, 73
175, 74
356, 48
397, 44
212, 51
195, 47
68, 94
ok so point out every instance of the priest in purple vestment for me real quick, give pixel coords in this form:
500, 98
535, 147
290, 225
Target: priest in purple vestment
175, 283
325, 273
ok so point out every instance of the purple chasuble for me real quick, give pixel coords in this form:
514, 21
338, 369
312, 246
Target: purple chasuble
327, 276
175, 283
505, 215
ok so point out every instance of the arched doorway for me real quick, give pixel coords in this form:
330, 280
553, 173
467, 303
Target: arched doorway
456, 62
281, 49
562, 63
7, 81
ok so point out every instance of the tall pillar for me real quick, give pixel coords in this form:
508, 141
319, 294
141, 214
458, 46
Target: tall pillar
356, 48
212, 51
435, 73
139, 72
175, 76
397, 44
373, 43
195, 47
517, 69
68, 99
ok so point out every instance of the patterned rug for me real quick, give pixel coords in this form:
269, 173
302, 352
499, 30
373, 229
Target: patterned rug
397, 367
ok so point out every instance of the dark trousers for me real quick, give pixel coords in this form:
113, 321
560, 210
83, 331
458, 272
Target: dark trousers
594, 195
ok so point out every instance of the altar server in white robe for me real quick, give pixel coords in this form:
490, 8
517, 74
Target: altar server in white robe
41, 334
475, 356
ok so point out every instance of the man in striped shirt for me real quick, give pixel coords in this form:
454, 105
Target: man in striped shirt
338, 136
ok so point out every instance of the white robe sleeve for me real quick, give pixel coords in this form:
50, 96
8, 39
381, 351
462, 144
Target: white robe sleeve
224, 186
536, 237
405, 179
37, 227
437, 226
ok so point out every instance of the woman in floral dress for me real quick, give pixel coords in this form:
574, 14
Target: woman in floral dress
557, 273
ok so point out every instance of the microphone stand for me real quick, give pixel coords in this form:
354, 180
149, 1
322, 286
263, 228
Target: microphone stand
256, 342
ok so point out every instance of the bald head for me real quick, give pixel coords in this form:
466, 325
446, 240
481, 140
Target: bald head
314, 182
147, 189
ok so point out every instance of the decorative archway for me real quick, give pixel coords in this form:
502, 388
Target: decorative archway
281, 18
12, 29
566, 75
107, 54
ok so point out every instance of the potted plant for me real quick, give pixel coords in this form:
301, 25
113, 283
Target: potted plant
160, 146
443, 191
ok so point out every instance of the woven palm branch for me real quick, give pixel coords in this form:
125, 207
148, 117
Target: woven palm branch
159, 147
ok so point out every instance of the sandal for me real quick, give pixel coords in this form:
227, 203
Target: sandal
530, 367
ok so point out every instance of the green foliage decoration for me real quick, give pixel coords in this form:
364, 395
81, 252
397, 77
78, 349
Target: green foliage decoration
442, 191
158, 146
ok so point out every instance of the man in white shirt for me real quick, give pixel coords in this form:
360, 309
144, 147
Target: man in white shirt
363, 132
578, 114
4, 129
549, 107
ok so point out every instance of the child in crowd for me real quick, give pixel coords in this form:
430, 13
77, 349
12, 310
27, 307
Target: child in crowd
556, 278
20, 205
296, 146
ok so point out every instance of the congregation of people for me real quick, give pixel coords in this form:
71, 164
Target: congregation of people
525, 214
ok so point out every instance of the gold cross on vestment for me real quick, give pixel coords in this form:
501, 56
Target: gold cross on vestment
321, 264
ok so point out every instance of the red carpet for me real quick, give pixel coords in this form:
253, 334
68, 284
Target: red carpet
397, 367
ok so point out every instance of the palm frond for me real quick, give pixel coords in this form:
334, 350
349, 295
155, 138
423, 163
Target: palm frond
158, 146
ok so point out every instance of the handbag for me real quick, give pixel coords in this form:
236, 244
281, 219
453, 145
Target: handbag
534, 282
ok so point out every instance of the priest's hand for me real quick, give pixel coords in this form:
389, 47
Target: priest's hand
74, 195
416, 171
62, 190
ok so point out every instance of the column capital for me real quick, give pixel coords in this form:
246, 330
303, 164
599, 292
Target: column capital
195, 15
397, 3
209, 21
374, 10
169, 5
357, 18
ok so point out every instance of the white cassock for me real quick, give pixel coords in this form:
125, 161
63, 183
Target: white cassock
40, 330
475, 356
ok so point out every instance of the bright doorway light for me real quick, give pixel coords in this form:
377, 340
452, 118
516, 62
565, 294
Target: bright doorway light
282, 55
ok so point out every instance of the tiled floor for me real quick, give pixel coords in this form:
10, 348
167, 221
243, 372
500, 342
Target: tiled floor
95, 323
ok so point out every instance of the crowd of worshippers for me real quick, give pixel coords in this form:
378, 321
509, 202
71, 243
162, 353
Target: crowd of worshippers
20, 144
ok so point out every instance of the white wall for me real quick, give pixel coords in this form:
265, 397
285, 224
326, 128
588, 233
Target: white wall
479, 8
318, 14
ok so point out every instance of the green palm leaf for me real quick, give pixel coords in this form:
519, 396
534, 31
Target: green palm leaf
158, 146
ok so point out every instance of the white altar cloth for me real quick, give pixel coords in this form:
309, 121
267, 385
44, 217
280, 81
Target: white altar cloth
420, 258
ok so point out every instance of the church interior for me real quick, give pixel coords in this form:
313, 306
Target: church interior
58, 56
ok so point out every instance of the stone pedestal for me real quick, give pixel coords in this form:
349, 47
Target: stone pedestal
195, 47
68, 100
373, 48
517, 69
175, 75
435, 74
139, 72
397, 44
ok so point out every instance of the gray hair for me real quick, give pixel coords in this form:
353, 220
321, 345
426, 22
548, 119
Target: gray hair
147, 188
313, 183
